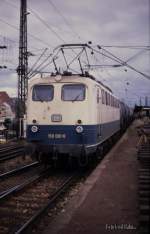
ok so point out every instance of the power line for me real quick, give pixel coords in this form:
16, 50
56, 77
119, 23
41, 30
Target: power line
46, 24
127, 47
127, 65
31, 70
44, 66
12, 4
39, 18
64, 18
117, 59
39, 66
31, 35
136, 55
16, 7
11, 40
17, 42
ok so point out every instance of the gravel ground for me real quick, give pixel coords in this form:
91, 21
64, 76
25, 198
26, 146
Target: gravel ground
15, 163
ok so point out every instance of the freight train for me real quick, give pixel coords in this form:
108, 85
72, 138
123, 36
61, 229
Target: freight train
73, 115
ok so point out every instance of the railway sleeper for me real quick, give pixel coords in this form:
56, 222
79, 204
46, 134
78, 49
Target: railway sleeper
144, 158
144, 194
144, 188
144, 177
33, 199
142, 199
145, 209
144, 181
144, 220
144, 230
145, 169
144, 174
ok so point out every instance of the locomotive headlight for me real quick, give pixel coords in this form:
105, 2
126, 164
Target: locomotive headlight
34, 128
79, 129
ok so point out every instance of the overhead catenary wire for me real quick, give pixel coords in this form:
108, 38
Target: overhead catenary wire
44, 65
41, 69
12, 4
127, 65
136, 55
129, 59
16, 42
42, 21
9, 39
39, 66
36, 62
39, 18
127, 46
64, 18
46, 24
122, 62
31, 35
117, 59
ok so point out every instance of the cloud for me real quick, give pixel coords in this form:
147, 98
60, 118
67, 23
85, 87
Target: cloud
105, 22
8, 83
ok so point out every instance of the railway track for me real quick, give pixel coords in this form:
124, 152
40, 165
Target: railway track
11, 151
8, 146
18, 170
17, 178
26, 203
144, 183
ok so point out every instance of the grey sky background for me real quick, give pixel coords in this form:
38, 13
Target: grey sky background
104, 22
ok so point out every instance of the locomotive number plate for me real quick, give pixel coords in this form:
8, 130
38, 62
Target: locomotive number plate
56, 118
57, 136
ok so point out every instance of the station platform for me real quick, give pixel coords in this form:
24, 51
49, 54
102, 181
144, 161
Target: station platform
108, 200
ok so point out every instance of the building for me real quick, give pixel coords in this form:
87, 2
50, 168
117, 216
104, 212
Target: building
6, 107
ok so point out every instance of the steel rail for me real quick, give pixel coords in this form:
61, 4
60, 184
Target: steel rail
17, 188
12, 154
2, 146
17, 170
11, 147
49, 204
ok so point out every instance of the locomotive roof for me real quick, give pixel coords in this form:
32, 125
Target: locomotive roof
67, 74
98, 81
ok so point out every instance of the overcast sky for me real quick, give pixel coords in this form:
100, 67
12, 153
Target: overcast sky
104, 22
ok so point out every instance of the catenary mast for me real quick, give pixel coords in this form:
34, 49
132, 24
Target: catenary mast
23, 67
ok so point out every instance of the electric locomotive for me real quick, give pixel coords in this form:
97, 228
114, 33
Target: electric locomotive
70, 114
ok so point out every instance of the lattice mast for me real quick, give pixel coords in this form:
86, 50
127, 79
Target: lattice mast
3, 47
23, 58
23, 63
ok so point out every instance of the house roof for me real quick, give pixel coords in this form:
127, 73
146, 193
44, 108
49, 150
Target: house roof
4, 98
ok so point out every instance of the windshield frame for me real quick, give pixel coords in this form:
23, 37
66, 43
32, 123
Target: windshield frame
39, 99
75, 99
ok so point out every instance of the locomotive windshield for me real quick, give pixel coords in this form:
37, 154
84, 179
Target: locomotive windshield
42, 93
75, 92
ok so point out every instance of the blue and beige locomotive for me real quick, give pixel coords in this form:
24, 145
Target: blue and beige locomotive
70, 114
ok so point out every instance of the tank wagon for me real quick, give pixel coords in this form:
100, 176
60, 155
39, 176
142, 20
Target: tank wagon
72, 115
126, 116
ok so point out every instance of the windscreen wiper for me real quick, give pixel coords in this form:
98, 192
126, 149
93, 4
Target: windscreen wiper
76, 97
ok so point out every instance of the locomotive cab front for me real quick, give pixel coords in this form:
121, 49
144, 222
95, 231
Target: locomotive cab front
60, 116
